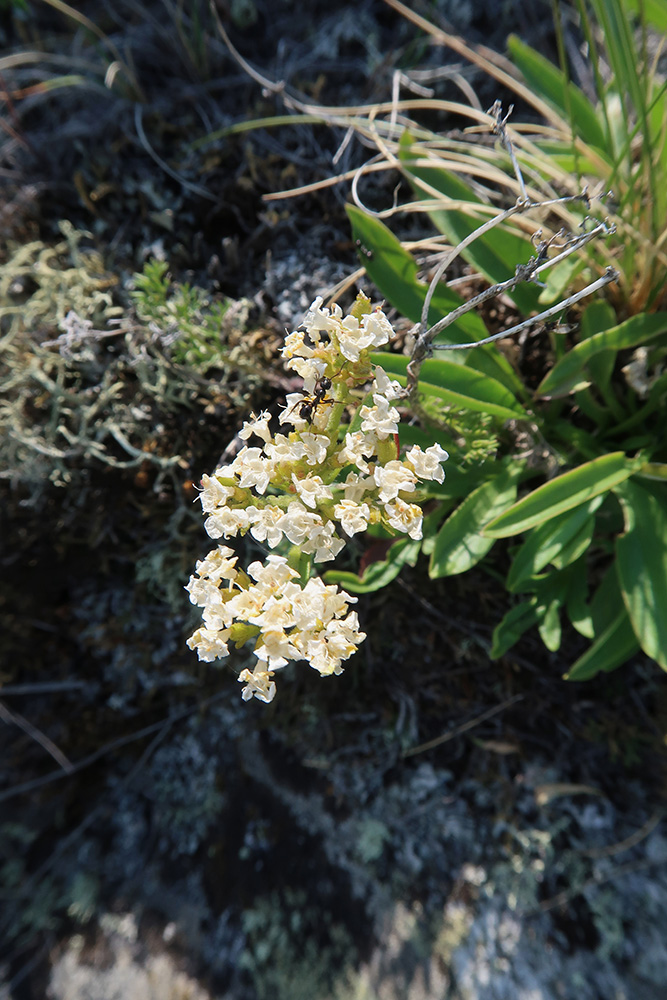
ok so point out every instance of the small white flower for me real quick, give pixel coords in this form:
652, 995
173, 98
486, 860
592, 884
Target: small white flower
312, 490
257, 425
356, 449
353, 516
355, 486
265, 524
427, 464
253, 469
378, 327
405, 517
246, 604
226, 522
322, 542
310, 370
209, 643
318, 320
276, 649
295, 346
218, 565
272, 575
281, 449
275, 615
353, 338
380, 419
258, 683
384, 386
297, 522
393, 478
315, 447
214, 494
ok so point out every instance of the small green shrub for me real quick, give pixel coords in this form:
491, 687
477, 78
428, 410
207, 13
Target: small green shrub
184, 313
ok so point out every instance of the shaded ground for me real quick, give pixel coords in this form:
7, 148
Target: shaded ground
201, 846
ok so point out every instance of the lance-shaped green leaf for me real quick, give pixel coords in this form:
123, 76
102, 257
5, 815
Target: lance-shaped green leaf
616, 644
394, 271
549, 626
513, 625
460, 387
565, 492
641, 558
560, 540
571, 372
615, 640
460, 544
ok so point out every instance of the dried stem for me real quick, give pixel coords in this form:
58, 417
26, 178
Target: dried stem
524, 272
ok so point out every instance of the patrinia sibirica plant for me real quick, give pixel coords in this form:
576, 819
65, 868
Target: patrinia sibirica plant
305, 493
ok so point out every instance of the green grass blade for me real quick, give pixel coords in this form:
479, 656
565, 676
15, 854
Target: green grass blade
621, 52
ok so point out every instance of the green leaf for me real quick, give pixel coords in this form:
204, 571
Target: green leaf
513, 625
577, 545
610, 650
549, 627
380, 573
460, 544
551, 542
395, 273
571, 372
462, 388
641, 557
559, 279
550, 83
576, 604
621, 52
565, 492
596, 318
615, 640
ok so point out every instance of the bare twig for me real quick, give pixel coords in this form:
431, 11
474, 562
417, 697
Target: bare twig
631, 841
446, 737
500, 128
527, 272
520, 206
195, 188
13, 718
564, 897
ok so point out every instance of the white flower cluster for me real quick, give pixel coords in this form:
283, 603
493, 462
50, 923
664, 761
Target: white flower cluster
292, 622
314, 488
